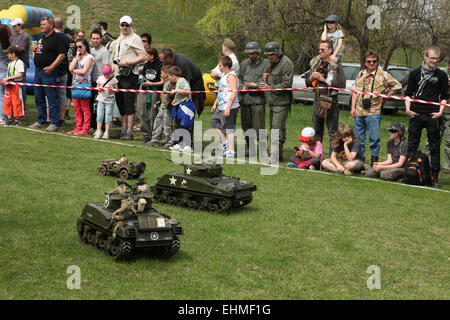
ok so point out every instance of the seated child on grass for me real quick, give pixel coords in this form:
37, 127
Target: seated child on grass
309, 155
347, 154
397, 147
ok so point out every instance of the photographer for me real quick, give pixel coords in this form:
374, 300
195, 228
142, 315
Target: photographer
366, 109
128, 54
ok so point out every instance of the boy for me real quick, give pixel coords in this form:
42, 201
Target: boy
163, 120
226, 107
183, 111
13, 104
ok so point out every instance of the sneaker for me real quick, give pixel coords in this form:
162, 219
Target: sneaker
311, 167
187, 149
224, 147
348, 172
61, 123
73, 131
52, 128
16, 123
176, 147
82, 133
152, 143
106, 135
127, 137
9, 122
168, 144
98, 134
229, 154
37, 125
292, 165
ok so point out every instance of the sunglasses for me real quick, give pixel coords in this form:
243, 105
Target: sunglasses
371, 61
79, 47
144, 41
322, 49
124, 25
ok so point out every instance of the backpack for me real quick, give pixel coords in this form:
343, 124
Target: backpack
418, 170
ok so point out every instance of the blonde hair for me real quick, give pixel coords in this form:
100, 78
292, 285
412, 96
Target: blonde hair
343, 131
338, 26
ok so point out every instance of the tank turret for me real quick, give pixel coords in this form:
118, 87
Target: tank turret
202, 186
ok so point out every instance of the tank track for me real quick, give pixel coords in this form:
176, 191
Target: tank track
194, 200
117, 248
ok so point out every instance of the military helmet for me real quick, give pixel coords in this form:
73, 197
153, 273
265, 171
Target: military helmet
141, 180
252, 47
272, 48
119, 181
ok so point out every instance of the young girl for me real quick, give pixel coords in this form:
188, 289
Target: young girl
332, 30
105, 101
183, 111
310, 152
346, 155
13, 102
81, 68
397, 147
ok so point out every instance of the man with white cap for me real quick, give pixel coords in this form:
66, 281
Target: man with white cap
129, 52
21, 40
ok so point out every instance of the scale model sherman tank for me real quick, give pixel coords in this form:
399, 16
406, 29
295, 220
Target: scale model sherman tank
144, 227
202, 186
121, 167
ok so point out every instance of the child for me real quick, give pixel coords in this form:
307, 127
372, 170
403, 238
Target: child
151, 80
183, 111
163, 120
13, 102
310, 152
346, 155
397, 147
332, 30
105, 101
226, 107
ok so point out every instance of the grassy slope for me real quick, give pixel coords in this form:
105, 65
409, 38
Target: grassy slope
305, 235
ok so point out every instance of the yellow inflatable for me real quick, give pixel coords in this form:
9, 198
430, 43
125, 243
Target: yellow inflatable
210, 85
30, 16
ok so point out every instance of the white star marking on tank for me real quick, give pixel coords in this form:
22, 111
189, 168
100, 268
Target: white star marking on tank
183, 182
188, 171
173, 180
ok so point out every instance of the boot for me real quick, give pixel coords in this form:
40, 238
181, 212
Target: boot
434, 179
373, 159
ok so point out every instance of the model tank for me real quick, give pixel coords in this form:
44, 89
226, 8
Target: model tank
202, 186
142, 226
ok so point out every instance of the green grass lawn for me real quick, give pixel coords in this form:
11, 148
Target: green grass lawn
306, 235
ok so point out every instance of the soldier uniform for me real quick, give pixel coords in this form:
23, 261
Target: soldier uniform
126, 209
281, 75
120, 189
253, 112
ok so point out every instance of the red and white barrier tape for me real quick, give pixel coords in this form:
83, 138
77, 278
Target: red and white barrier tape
242, 90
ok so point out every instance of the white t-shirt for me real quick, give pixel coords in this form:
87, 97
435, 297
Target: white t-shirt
106, 96
235, 67
14, 68
334, 37
84, 78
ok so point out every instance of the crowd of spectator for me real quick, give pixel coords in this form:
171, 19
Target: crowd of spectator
64, 57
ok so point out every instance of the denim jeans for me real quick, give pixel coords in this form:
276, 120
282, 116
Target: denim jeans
371, 124
104, 111
40, 93
2, 95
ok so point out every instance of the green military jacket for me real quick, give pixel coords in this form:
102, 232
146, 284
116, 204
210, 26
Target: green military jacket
252, 72
281, 76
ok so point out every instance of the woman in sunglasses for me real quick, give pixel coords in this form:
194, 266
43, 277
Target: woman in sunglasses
81, 68
366, 109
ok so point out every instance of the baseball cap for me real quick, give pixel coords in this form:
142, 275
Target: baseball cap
126, 19
16, 21
307, 134
396, 126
